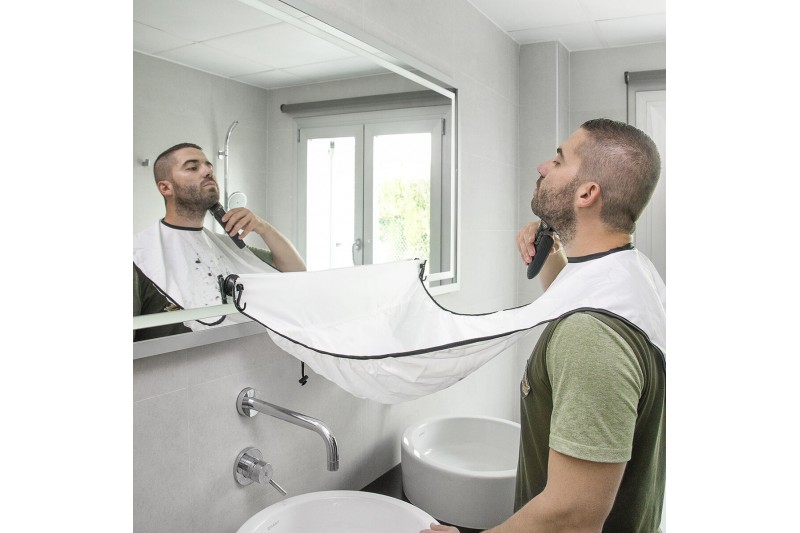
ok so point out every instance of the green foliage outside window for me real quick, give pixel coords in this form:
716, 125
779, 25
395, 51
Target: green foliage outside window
403, 209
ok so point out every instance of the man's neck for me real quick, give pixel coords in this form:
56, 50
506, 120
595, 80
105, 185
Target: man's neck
184, 221
595, 243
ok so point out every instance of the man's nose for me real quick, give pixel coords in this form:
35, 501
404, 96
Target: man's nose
543, 167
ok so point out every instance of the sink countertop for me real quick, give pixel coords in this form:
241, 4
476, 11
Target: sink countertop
391, 484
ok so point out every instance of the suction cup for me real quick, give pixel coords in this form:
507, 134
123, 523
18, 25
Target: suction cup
237, 199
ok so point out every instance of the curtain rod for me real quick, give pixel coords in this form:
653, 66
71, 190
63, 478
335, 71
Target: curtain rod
645, 75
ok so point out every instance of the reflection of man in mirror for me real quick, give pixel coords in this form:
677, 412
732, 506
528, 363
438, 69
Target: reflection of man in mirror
178, 262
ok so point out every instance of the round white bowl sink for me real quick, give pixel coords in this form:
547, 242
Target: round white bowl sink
462, 470
339, 511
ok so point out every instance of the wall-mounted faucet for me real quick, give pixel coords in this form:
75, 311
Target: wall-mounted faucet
248, 405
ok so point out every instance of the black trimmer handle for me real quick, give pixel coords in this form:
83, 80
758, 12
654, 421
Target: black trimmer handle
543, 247
542, 244
218, 211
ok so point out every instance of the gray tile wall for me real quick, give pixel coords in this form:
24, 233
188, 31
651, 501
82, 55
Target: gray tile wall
598, 79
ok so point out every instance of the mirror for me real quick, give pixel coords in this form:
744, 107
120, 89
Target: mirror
248, 80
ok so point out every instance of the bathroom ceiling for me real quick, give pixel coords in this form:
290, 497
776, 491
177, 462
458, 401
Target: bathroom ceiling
579, 24
234, 40
231, 39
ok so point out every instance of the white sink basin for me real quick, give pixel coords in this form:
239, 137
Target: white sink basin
339, 511
462, 470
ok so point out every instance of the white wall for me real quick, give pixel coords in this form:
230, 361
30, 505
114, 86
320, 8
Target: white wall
186, 432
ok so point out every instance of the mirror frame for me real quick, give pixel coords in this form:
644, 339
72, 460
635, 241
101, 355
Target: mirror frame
322, 24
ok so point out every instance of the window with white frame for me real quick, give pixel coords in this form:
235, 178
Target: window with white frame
371, 187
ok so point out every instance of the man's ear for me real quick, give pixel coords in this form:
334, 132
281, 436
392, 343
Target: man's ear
165, 188
588, 194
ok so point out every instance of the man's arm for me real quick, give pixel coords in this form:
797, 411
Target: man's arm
284, 254
578, 498
554, 263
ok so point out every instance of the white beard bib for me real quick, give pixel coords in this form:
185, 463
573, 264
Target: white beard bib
376, 332
185, 263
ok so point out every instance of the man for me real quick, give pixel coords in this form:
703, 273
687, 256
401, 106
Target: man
177, 262
592, 454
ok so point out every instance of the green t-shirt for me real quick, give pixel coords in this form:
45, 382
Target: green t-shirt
594, 388
147, 299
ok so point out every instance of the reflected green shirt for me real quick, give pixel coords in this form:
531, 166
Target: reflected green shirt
148, 299
594, 388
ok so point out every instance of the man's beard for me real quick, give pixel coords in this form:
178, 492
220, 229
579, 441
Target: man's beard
193, 201
555, 208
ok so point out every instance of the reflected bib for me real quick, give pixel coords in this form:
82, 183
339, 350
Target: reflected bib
184, 263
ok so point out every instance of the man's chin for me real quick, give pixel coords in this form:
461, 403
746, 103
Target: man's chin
535, 210
540, 209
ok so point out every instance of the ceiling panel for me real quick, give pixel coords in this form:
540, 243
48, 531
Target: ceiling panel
354, 67
511, 15
281, 45
213, 61
633, 30
605, 9
579, 24
199, 20
153, 41
270, 79
574, 36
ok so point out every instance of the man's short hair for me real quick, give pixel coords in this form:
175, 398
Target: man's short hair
626, 164
161, 166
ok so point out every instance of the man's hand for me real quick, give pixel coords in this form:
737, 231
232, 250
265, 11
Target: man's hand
284, 254
525, 241
241, 218
553, 265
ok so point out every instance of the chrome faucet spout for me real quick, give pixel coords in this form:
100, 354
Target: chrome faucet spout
248, 405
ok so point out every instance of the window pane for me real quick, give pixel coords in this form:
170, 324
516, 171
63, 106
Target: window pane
330, 209
401, 197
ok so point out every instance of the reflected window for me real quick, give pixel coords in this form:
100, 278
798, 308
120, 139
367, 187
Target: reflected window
371, 191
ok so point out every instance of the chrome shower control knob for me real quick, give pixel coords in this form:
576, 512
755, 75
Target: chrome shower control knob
258, 471
249, 467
